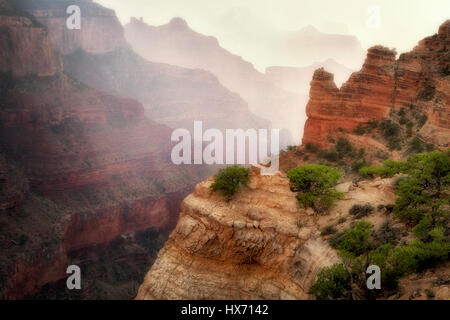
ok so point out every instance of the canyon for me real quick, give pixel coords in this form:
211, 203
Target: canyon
176, 43
86, 178
86, 175
261, 244
99, 56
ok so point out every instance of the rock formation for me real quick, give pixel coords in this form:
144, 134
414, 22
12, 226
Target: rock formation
85, 177
418, 80
100, 31
176, 43
260, 245
99, 56
26, 48
249, 248
298, 79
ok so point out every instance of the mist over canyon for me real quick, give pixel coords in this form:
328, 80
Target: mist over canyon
87, 176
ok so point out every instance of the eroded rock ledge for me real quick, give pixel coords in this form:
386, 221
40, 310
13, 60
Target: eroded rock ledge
260, 245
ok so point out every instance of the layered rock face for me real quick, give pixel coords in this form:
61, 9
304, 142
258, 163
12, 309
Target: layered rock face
26, 48
98, 56
100, 30
417, 80
249, 248
85, 179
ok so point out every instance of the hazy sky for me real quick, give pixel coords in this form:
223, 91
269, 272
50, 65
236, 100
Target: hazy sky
235, 22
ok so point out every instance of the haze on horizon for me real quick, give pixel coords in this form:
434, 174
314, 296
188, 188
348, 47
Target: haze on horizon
247, 27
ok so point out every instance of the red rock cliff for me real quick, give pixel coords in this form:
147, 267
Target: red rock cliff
26, 47
80, 171
418, 79
100, 30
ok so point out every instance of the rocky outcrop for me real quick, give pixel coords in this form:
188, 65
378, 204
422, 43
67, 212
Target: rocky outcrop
298, 79
100, 30
99, 56
417, 80
26, 47
258, 246
80, 170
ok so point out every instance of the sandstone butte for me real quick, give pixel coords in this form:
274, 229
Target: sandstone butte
261, 245
417, 79
83, 174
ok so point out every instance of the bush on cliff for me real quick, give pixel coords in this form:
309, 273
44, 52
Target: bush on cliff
424, 193
389, 169
332, 283
314, 184
422, 201
229, 180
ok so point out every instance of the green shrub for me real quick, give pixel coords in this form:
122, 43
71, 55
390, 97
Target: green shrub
358, 164
331, 156
382, 156
424, 192
356, 240
419, 255
332, 283
389, 208
389, 129
361, 211
311, 148
229, 180
290, 148
360, 130
430, 294
372, 124
341, 220
403, 121
314, 184
343, 147
387, 234
427, 92
416, 146
422, 120
328, 230
335, 239
389, 169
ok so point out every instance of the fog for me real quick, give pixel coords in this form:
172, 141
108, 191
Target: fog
249, 28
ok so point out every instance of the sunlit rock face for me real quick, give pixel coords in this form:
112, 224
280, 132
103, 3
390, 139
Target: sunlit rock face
416, 80
249, 248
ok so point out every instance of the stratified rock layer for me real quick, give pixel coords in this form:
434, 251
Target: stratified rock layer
99, 56
85, 177
418, 79
250, 248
